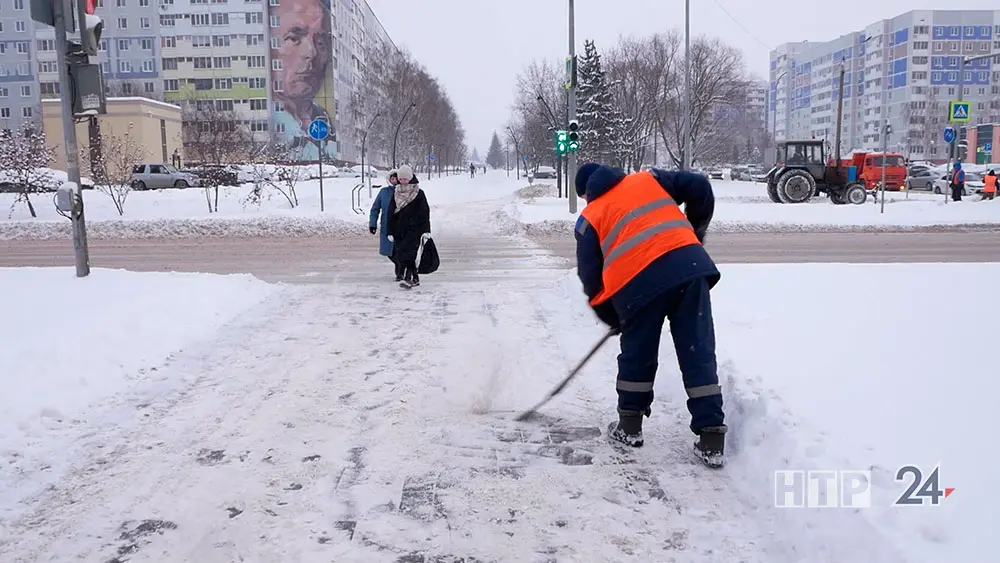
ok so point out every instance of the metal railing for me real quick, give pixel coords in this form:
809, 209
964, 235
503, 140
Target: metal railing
356, 196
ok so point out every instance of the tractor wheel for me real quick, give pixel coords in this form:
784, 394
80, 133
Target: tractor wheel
837, 198
772, 192
796, 186
856, 194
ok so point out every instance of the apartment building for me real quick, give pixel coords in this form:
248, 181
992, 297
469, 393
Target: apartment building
275, 64
905, 70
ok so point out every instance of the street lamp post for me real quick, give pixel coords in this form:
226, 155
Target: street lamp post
571, 157
774, 127
395, 137
364, 171
686, 159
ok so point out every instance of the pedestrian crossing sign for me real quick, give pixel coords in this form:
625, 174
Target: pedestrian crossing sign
958, 112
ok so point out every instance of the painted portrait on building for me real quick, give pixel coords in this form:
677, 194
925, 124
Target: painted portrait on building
302, 70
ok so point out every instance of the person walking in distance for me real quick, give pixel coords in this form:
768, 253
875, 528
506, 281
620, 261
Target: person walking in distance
381, 207
990, 185
641, 262
472, 170
409, 221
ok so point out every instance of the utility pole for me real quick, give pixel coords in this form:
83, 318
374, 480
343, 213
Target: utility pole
81, 253
571, 157
686, 159
886, 129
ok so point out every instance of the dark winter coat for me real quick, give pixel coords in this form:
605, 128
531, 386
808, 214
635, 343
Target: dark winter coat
666, 272
407, 226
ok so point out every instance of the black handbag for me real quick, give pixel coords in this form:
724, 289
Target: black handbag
429, 259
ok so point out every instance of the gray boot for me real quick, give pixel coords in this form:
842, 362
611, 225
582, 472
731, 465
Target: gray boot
628, 429
711, 446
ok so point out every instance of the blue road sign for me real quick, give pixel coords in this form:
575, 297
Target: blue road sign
949, 134
526, 158
988, 147
959, 112
430, 157
319, 129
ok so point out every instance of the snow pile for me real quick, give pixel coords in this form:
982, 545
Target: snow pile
254, 226
72, 344
49, 178
744, 207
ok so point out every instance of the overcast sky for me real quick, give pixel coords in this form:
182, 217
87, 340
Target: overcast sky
476, 48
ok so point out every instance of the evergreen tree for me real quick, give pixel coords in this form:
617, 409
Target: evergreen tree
494, 157
601, 123
475, 156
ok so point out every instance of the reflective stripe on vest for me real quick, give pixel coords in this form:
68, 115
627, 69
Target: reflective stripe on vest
990, 183
636, 222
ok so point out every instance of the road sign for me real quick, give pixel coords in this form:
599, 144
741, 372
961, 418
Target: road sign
319, 129
959, 112
988, 147
526, 158
949, 134
430, 157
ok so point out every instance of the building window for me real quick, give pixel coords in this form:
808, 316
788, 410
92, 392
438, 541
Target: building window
5, 113
22, 47
220, 19
275, 42
278, 86
19, 26
166, 21
257, 83
224, 105
223, 62
46, 44
221, 40
124, 44
148, 65
148, 87
26, 91
203, 62
146, 44
254, 40
203, 84
171, 85
275, 21
254, 17
223, 83
199, 19
143, 3
26, 112
256, 61
258, 104
258, 126
125, 67
120, 3
276, 65
18, 4
144, 23
201, 41
48, 88
122, 23
168, 64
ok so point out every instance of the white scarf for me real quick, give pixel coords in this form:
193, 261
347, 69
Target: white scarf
404, 194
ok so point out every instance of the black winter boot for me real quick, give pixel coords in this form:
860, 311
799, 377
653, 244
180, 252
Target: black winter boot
628, 429
711, 446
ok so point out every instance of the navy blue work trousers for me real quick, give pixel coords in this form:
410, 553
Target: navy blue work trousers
688, 309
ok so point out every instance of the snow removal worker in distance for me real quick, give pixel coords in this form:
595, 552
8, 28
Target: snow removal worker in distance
381, 205
642, 263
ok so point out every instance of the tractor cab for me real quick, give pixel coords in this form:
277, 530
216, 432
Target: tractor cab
802, 154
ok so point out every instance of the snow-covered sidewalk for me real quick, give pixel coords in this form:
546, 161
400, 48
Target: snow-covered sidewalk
361, 423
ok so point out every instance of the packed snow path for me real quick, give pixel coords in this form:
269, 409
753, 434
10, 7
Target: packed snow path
340, 424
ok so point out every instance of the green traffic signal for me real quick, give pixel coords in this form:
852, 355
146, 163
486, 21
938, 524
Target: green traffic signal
561, 148
574, 146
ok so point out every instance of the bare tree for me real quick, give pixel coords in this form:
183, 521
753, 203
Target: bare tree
214, 133
634, 74
112, 165
24, 161
274, 170
125, 88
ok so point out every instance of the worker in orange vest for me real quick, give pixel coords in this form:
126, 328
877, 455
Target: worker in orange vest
641, 262
990, 185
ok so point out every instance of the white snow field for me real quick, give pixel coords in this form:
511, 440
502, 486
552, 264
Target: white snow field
361, 423
744, 206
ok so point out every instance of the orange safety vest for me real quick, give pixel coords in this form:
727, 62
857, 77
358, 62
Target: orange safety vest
991, 184
636, 222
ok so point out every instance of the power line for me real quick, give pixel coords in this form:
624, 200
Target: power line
740, 25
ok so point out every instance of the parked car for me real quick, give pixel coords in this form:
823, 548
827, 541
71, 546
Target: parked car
973, 184
715, 174
216, 174
157, 176
545, 172
920, 178
734, 172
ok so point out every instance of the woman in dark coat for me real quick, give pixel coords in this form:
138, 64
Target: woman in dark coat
409, 220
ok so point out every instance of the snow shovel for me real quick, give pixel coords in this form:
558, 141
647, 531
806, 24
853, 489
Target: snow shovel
562, 385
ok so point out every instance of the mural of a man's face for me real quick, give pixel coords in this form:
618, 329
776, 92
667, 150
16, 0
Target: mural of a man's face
306, 44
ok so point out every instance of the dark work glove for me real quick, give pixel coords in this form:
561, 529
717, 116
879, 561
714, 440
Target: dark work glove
606, 312
700, 231
372, 230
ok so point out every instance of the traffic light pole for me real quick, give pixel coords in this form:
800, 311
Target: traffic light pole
571, 157
81, 253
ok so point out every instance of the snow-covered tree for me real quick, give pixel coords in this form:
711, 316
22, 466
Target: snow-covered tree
111, 163
475, 156
601, 122
24, 161
494, 157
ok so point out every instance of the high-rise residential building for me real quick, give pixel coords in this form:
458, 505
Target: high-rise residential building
757, 100
904, 69
274, 64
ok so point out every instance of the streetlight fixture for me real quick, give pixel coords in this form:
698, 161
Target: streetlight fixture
395, 137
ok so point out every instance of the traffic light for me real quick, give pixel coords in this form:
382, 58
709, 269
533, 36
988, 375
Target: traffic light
574, 136
562, 142
91, 34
